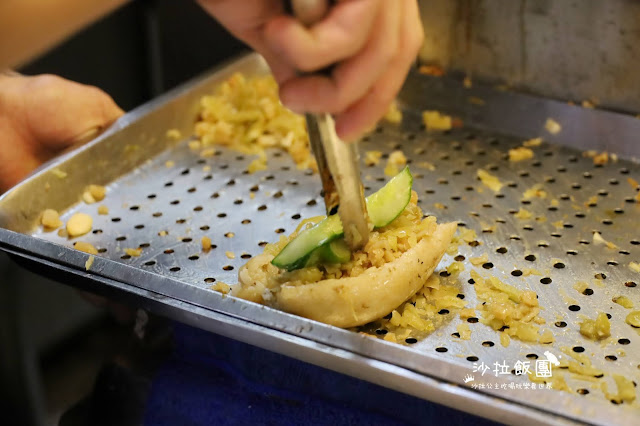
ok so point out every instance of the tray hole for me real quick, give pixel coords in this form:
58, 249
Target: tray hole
224, 167
567, 225
168, 184
635, 242
488, 344
501, 221
543, 244
576, 186
561, 169
532, 356
572, 252
624, 341
614, 181
584, 242
455, 335
443, 311
587, 175
228, 268
157, 214
523, 174
187, 240
472, 358
580, 215
582, 391
97, 231
231, 182
456, 198
552, 208
175, 269
528, 228
205, 228
194, 257
185, 172
468, 188
460, 296
587, 292
469, 163
215, 195
441, 349
630, 284
150, 263
516, 273
564, 197
556, 235
487, 265
102, 250
411, 340
168, 251
499, 195
296, 216
624, 252
560, 324
246, 221
512, 184
229, 235
603, 193
618, 211
515, 238
312, 202
574, 308
134, 208
472, 320
125, 257
607, 222
487, 231
430, 191
262, 243
115, 219
578, 349
624, 171
121, 238
139, 226
175, 202
471, 281
222, 215
151, 196
197, 209
144, 245
487, 205
456, 172
530, 257
442, 181
546, 280
208, 177
559, 265
238, 201
278, 194
600, 276
459, 258
245, 256
501, 250
181, 221
191, 190
280, 231
630, 200
611, 358
612, 263
550, 179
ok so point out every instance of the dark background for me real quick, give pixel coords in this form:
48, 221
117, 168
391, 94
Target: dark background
141, 50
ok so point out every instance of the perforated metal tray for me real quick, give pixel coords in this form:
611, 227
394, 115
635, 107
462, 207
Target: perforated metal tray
212, 197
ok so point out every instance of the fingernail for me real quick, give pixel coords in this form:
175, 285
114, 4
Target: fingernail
87, 135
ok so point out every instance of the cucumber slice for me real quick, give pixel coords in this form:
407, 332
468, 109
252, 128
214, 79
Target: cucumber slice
336, 251
383, 207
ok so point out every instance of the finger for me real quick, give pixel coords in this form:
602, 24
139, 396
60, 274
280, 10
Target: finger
60, 112
341, 35
352, 78
367, 111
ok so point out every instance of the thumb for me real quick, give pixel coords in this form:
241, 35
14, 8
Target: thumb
60, 113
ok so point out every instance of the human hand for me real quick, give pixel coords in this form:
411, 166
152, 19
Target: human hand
42, 115
373, 43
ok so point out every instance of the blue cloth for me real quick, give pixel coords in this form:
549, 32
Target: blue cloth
213, 380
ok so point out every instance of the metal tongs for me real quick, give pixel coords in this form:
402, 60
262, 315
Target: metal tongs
337, 160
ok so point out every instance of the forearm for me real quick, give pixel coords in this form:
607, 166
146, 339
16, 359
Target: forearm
29, 28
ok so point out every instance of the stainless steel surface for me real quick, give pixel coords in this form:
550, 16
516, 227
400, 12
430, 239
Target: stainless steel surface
584, 50
342, 160
337, 162
173, 275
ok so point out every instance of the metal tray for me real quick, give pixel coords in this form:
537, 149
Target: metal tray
173, 277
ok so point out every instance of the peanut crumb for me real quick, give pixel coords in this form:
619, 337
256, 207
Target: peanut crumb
230, 254
552, 126
103, 210
133, 252
206, 244
85, 247
51, 219
59, 173
89, 263
79, 224
174, 134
